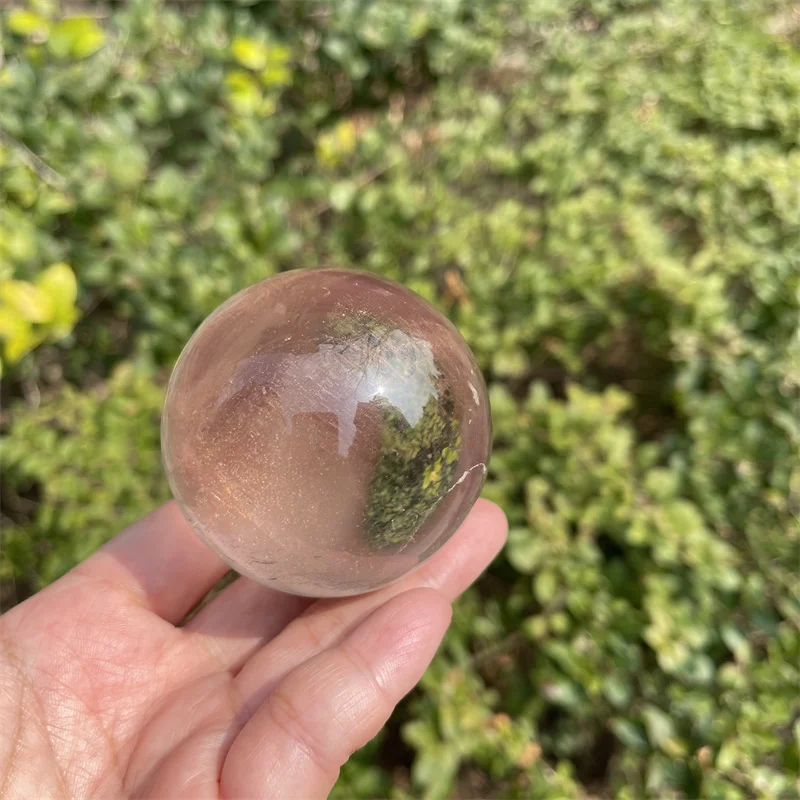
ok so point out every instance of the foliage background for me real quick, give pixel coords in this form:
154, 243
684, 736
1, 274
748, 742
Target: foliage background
604, 195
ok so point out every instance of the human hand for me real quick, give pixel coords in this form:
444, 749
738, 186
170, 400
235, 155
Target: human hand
104, 694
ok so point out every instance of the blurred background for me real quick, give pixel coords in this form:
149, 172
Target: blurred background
603, 195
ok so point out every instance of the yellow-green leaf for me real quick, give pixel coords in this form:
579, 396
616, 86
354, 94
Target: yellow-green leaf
335, 145
17, 334
545, 586
17, 239
345, 133
10, 321
58, 282
268, 106
276, 75
27, 23
76, 37
28, 301
419, 23
249, 52
278, 54
127, 164
510, 362
244, 94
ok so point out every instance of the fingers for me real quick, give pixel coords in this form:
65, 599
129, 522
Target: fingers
295, 743
237, 622
450, 571
158, 562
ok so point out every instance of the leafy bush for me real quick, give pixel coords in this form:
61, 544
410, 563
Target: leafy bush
94, 456
603, 195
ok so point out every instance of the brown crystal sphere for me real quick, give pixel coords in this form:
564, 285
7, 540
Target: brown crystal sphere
326, 431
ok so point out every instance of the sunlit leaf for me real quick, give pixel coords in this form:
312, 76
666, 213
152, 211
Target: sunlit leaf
17, 334
28, 301
58, 282
249, 52
243, 92
76, 37
276, 75
335, 145
27, 23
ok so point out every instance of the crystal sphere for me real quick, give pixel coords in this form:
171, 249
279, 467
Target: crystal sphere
326, 431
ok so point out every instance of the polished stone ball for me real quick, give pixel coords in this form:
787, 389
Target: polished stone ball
326, 431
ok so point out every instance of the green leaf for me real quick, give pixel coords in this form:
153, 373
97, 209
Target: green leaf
545, 586
617, 690
419, 23
510, 362
342, 194
736, 642
127, 165
535, 627
659, 726
563, 694
629, 734
728, 755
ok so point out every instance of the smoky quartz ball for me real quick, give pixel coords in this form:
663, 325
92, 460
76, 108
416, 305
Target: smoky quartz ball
326, 431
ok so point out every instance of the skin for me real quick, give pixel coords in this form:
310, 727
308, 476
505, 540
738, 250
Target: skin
104, 693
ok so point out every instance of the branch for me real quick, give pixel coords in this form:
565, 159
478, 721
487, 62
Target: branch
33, 162
363, 181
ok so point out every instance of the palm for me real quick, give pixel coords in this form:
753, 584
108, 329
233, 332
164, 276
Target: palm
259, 695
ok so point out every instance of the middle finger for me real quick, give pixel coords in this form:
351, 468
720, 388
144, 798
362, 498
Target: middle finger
245, 615
450, 571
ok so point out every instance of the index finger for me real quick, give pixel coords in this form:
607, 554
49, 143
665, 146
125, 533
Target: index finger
157, 563
328, 707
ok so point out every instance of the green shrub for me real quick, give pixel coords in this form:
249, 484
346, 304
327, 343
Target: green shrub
91, 462
603, 195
